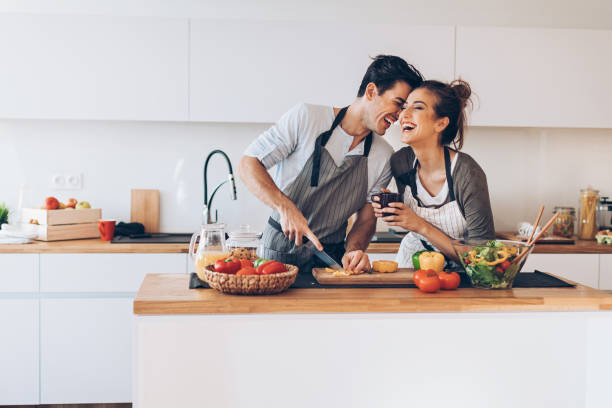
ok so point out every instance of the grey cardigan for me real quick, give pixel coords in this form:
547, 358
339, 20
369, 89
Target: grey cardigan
469, 183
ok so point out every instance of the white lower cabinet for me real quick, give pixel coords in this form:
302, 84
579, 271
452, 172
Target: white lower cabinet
19, 352
605, 271
85, 350
580, 268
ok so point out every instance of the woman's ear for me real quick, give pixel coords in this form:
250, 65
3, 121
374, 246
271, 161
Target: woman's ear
441, 124
371, 91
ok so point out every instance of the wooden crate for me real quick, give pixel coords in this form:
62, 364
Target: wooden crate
58, 225
60, 217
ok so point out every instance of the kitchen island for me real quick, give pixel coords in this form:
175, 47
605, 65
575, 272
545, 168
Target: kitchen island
371, 347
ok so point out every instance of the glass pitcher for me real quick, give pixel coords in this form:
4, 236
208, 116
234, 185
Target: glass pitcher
211, 248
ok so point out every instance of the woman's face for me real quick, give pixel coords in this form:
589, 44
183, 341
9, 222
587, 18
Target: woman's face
418, 120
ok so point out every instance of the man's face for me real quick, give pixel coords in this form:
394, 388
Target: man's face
384, 109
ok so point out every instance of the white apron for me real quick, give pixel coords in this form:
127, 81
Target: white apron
447, 218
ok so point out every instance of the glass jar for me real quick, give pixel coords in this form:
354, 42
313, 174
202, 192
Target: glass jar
244, 243
563, 225
211, 247
587, 223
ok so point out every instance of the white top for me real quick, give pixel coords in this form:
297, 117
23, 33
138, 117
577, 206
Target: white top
426, 198
291, 141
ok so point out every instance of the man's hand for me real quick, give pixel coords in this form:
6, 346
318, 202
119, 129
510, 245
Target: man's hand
295, 226
356, 261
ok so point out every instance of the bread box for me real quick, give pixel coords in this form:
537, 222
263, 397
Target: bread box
57, 225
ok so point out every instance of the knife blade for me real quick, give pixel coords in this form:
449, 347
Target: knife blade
328, 260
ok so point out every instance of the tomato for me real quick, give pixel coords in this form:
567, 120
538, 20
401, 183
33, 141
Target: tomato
420, 273
274, 267
429, 283
228, 265
246, 263
449, 280
504, 265
249, 270
262, 266
500, 270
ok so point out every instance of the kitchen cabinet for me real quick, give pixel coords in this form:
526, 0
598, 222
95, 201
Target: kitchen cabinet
19, 351
86, 323
93, 67
235, 65
85, 350
605, 271
581, 268
537, 77
18, 273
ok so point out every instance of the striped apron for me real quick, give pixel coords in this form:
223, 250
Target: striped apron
448, 218
327, 195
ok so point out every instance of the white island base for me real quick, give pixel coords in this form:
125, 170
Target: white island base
467, 359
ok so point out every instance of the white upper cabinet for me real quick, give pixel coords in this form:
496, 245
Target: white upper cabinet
254, 71
537, 77
93, 67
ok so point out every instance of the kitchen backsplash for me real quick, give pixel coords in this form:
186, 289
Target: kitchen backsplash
525, 167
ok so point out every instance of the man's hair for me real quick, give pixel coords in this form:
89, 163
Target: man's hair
386, 70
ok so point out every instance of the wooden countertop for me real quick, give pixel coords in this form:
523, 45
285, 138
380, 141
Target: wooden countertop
170, 294
93, 246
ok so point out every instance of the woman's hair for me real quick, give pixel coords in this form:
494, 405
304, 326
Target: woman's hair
451, 101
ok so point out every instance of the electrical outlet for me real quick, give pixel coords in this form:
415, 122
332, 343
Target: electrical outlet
67, 181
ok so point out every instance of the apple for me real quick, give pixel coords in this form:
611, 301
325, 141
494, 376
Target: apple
82, 204
51, 203
71, 203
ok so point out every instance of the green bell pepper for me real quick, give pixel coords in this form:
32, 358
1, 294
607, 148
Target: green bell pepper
259, 262
416, 264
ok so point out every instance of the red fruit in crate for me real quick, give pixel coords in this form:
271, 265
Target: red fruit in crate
51, 203
72, 202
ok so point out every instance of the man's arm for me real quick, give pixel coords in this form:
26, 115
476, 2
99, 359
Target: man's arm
355, 258
254, 175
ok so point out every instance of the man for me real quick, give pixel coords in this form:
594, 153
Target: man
330, 161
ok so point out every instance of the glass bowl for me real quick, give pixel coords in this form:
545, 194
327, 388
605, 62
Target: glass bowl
490, 264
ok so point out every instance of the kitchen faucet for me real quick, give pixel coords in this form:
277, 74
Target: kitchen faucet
207, 217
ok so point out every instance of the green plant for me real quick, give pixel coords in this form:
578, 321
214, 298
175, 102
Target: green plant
4, 212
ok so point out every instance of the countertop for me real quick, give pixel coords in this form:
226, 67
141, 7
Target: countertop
98, 246
170, 294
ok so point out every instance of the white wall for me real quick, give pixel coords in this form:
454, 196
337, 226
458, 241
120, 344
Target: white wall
525, 167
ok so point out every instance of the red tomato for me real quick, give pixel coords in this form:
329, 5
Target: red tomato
248, 270
274, 267
449, 280
262, 266
245, 262
223, 267
500, 270
429, 283
504, 265
420, 273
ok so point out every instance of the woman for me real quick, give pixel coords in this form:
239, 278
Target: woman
447, 195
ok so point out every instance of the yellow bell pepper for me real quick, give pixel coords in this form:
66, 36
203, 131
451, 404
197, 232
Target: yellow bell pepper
431, 260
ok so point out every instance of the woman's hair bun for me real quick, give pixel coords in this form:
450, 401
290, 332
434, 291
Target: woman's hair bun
462, 89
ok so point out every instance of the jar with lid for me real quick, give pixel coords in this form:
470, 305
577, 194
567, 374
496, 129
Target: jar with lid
563, 225
245, 243
587, 223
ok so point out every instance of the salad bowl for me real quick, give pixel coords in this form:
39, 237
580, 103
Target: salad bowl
492, 264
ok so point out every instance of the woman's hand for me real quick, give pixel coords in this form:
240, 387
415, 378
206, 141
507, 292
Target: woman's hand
376, 204
403, 217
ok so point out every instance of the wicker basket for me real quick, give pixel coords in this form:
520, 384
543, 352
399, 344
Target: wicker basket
250, 284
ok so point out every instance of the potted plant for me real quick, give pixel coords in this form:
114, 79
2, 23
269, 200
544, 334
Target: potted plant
4, 212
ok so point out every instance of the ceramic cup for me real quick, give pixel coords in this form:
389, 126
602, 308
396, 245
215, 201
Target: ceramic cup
107, 229
385, 198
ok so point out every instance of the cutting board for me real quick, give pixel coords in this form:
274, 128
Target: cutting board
402, 276
551, 239
145, 209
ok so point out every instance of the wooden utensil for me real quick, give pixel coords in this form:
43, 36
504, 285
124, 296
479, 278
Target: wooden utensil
401, 277
532, 243
145, 209
535, 225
